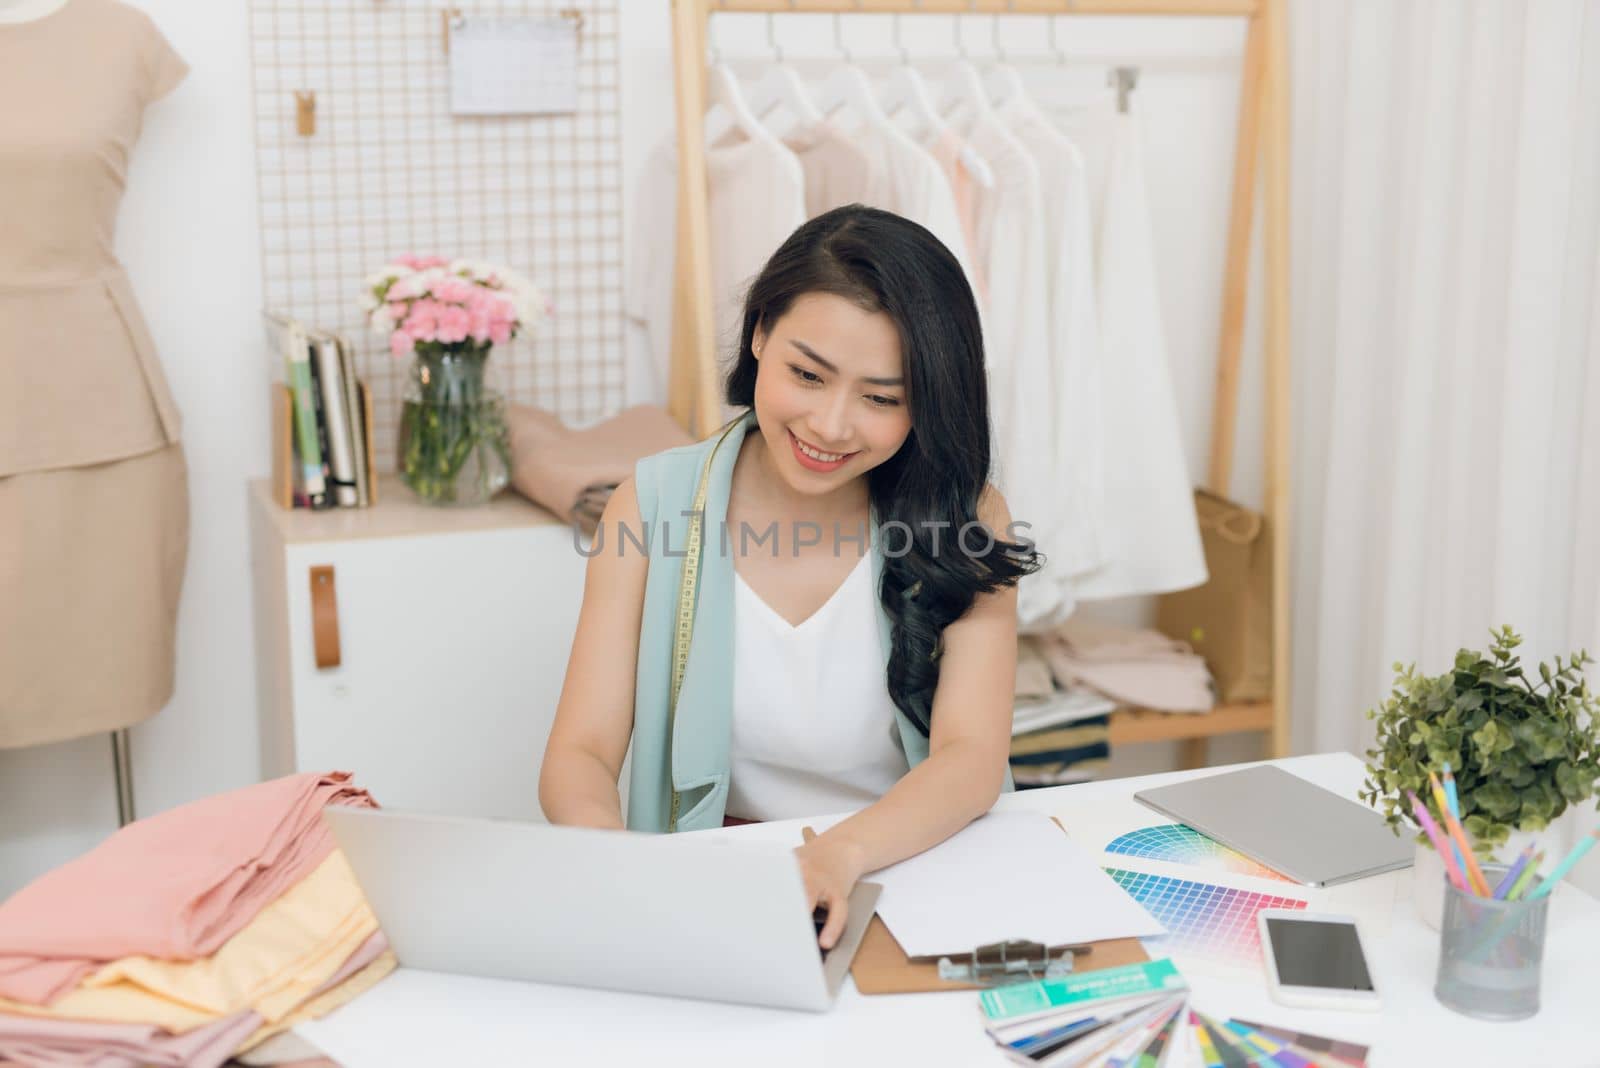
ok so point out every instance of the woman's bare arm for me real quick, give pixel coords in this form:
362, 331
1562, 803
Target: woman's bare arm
594, 719
968, 751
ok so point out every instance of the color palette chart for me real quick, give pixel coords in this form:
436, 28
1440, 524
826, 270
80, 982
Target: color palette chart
1178, 844
1205, 919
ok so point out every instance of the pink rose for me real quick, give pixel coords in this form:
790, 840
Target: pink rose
500, 332
452, 290
400, 344
500, 307
422, 323
396, 310
454, 324
479, 328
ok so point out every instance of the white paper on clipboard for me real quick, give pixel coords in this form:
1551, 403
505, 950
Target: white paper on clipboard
513, 65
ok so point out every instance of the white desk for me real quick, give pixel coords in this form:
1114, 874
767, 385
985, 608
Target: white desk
425, 1018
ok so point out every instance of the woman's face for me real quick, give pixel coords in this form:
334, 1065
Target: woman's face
830, 392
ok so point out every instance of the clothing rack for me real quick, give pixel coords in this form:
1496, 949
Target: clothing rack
1263, 144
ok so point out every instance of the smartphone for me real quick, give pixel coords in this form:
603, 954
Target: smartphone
1316, 960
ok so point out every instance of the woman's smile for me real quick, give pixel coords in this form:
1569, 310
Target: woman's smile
815, 459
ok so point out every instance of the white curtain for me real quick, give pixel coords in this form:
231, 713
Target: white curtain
1446, 332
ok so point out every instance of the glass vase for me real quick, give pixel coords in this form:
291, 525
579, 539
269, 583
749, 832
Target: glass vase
455, 447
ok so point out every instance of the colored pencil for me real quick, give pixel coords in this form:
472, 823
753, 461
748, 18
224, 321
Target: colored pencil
1441, 846
1512, 874
1585, 844
1455, 807
1474, 873
1525, 880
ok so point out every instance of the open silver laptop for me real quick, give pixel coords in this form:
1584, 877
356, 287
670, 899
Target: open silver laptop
1312, 835
685, 915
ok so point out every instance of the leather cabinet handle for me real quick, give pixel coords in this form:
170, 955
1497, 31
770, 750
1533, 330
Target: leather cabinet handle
324, 616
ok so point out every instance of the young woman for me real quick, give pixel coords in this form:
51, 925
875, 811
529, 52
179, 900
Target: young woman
853, 607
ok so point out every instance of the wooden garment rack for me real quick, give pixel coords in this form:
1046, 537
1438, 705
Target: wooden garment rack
1263, 144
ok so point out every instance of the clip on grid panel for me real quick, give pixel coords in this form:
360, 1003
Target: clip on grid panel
389, 170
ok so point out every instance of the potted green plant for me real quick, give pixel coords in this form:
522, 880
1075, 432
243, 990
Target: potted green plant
1521, 750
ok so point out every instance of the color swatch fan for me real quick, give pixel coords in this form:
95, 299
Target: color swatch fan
1178, 844
1204, 919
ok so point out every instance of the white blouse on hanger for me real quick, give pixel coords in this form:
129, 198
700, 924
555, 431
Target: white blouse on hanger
1011, 248
756, 199
814, 729
1076, 353
838, 169
1151, 534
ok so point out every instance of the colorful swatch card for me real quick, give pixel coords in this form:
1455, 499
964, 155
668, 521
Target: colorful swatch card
1203, 919
1177, 844
1247, 1047
1048, 995
1266, 1050
1152, 1054
1350, 1053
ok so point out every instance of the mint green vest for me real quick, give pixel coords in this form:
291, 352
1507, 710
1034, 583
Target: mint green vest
666, 485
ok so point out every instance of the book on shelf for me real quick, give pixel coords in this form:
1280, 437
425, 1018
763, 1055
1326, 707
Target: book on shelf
333, 417
321, 420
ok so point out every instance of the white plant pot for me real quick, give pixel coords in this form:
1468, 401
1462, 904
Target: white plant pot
1428, 878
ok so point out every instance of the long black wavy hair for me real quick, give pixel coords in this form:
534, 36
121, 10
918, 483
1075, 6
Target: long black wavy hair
882, 262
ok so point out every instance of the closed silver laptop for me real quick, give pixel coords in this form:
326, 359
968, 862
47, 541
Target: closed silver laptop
1292, 826
684, 915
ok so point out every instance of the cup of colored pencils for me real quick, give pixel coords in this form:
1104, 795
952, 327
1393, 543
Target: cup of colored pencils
1491, 951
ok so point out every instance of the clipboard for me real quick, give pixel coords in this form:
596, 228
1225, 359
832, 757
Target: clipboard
882, 967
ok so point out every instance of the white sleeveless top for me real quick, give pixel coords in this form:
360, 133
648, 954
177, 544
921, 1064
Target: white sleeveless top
813, 727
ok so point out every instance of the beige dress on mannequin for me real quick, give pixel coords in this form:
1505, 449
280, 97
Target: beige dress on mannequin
94, 506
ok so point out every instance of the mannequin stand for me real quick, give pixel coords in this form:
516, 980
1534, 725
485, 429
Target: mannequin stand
122, 769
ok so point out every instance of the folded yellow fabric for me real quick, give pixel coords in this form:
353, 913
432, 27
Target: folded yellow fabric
320, 1006
272, 965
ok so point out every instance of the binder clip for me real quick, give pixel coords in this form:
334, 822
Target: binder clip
1015, 961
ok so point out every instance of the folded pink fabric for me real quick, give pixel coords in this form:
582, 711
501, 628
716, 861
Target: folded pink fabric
1141, 668
46, 1043
97, 1045
174, 886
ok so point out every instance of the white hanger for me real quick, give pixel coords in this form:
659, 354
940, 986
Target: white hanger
1005, 83
848, 85
907, 88
782, 87
723, 91
964, 90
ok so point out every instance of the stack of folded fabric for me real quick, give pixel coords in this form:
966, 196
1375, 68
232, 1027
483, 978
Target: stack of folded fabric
1133, 667
1059, 734
188, 937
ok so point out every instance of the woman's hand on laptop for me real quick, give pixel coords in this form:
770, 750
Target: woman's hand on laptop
830, 866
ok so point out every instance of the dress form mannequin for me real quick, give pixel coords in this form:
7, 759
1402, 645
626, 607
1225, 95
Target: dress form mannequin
72, 337
28, 10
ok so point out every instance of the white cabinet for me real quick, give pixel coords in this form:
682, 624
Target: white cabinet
452, 630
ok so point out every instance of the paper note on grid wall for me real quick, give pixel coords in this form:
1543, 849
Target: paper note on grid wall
510, 65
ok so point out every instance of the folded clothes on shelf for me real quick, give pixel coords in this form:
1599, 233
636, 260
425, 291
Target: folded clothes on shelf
1135, 667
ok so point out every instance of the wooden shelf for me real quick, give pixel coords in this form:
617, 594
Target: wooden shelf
1131, 726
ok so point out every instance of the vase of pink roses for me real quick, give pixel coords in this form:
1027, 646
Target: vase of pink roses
448, 315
